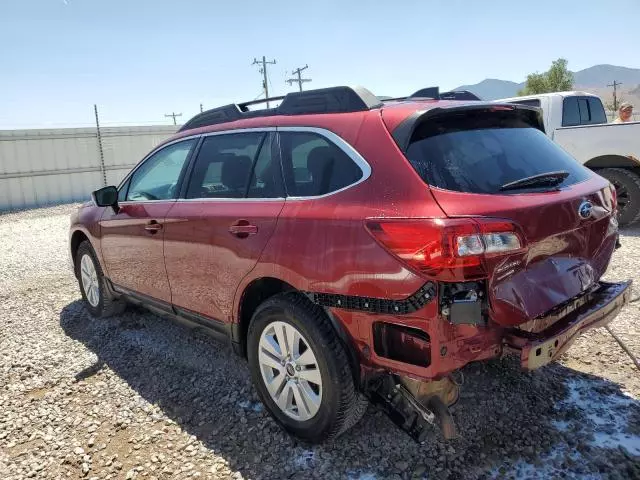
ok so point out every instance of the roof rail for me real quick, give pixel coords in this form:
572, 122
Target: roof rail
322, 100
433, 93
428, 92
459, 95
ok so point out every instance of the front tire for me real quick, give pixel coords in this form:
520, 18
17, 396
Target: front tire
98, 300
301, 370
627, 185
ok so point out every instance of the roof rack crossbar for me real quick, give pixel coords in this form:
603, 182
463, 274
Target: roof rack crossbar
323, 100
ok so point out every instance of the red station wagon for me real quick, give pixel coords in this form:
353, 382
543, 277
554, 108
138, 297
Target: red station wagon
355, 250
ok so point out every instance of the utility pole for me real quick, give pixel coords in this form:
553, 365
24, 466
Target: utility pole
100, 150
298, 80
174, 115
615, 86
263, 71
201, 108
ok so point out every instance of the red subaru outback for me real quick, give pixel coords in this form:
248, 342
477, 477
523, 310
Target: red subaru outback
355, 250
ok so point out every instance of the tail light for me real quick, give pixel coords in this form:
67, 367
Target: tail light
449, 249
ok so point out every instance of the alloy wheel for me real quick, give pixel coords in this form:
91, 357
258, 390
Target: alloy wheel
89, 278
290, 371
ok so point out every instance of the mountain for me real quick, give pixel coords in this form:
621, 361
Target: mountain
600, 76
596, 77
492, 88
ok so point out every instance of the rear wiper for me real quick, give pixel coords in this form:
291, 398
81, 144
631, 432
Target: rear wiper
539, 180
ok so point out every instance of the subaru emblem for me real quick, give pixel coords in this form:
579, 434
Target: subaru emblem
585, 208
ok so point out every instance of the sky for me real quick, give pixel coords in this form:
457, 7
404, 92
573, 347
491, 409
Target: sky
141, 59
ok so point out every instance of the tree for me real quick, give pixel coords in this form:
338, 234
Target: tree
613, 106
557, 79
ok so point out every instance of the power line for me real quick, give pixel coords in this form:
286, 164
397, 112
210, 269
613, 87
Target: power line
263, 71
615, 86
298, 80
173, 115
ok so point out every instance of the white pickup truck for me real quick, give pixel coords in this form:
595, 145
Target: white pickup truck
577, 122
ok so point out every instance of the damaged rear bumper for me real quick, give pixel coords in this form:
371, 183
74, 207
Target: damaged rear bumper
539, 349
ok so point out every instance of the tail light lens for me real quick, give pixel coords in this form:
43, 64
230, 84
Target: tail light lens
449, 249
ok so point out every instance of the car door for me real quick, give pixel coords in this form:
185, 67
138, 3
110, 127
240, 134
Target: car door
132, 237
215, 235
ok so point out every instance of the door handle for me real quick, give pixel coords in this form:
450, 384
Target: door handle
153, 226
242, 229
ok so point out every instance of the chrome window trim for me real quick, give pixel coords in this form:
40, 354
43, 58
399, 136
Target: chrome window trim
323, 132
342, 145
230, 199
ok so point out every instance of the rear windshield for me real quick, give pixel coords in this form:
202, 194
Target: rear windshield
478, 153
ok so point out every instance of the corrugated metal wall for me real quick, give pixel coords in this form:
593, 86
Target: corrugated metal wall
41, 167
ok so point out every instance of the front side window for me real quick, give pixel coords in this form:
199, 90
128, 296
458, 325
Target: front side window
122, 193
157, 178
314, 166
236, 165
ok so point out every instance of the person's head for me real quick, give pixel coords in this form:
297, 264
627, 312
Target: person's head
625, 111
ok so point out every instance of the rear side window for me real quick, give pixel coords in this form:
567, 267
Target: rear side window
591, 111
570, 112
314, 166
596, 111
236, 165
582, 111
480, 153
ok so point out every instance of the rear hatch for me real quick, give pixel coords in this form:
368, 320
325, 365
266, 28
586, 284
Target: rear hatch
494, 161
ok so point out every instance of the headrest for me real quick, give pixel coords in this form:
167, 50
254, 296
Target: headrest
318, 160
235, 171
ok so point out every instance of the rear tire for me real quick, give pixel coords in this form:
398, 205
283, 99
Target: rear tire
627, 184
333, 404
98, 299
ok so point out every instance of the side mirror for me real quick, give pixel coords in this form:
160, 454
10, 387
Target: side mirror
106, 197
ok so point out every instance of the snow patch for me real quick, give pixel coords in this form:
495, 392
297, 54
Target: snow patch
248, 405
361, 476
561, 425
304, 459
548, 466
606, 413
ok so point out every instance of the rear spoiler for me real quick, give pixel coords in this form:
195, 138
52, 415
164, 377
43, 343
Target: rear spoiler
403, 132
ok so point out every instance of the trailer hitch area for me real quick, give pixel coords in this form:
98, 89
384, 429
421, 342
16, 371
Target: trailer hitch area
414, 406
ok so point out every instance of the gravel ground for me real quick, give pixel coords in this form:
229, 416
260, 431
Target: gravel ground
138, 397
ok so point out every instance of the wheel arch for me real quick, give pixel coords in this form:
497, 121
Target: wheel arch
253, 295
260, 290
612, 161
77, 237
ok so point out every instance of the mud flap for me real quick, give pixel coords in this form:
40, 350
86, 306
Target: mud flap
407, 412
